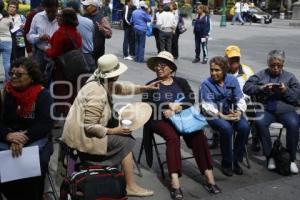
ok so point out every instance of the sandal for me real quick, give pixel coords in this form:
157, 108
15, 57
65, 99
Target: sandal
213, 189
176, 194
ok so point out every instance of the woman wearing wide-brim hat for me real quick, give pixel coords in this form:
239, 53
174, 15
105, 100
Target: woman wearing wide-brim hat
173, 88
90, 127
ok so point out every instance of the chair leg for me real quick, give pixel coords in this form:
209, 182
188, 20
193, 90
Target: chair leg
158, 159
247, 157
52, 185
137, 166
140, 153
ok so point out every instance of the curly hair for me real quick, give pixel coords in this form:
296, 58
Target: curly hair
32, 68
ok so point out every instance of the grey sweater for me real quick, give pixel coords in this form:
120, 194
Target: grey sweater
291, 96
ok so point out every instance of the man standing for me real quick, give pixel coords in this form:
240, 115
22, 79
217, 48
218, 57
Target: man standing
237, 13
102, 27
43, 25
140, 18
86, 30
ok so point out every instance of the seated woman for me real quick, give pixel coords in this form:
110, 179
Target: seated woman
279, 92
89, 128
222, 100
171, 89
26, 121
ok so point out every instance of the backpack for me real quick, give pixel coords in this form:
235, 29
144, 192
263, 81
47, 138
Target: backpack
94, 183
282, 158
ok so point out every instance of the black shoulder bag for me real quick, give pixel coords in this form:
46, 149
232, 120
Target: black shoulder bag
73, 62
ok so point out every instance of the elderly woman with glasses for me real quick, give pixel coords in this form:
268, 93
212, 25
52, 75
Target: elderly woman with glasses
279, 92
26, 121
163, 100
223, 103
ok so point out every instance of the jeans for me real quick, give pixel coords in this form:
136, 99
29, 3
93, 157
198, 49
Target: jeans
5, 50
237, 15
128, 42
198, 45
140, 41
165, 41
289, 120
226, 130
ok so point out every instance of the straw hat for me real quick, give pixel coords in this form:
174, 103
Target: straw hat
109, 66
162, 57
232, 51
143, 4
138, 113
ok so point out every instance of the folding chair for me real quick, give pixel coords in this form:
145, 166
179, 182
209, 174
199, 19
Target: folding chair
160, 163
53, 191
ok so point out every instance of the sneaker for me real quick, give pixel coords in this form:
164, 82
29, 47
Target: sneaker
294, 168
271, 164
196, 60
128, 58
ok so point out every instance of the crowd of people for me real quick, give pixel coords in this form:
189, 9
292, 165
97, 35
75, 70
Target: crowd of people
30, 91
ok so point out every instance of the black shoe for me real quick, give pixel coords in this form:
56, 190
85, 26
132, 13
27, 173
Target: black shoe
176, 194
237, 169
204, 62
227, 171
196, 60
255, 146
213, 189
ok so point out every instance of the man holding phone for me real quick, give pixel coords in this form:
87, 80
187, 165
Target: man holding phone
279, 92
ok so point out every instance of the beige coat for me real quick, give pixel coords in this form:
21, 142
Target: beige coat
85, 126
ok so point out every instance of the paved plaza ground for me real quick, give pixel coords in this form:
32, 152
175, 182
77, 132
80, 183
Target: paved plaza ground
255, 42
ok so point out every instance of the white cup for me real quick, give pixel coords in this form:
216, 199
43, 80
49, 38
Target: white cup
126, 123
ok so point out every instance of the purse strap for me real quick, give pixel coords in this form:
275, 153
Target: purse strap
72, 40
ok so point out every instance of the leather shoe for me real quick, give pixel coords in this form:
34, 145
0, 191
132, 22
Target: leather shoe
196, 60
176, 194
237, 169
227, 171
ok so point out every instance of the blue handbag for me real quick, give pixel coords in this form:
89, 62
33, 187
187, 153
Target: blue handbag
149, 31
188, 121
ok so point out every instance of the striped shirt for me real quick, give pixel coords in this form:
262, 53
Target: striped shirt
41, 25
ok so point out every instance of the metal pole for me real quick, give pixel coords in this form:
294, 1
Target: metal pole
223, 17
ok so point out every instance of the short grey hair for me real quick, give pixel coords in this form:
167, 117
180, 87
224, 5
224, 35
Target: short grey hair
276, 54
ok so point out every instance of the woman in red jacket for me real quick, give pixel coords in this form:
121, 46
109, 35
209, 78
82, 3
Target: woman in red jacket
65, 39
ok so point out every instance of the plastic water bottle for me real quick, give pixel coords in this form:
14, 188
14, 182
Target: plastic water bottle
20, 39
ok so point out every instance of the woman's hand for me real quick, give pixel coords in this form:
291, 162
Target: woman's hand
282, 88
176, 107
152, 86
118, 131
17, 137
228, 117
168, 113
16, 149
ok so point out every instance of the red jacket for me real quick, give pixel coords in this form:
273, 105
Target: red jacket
61, 43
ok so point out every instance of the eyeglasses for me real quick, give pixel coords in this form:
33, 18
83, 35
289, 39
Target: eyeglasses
17, 74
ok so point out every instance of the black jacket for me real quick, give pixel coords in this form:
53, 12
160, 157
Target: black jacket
148, 97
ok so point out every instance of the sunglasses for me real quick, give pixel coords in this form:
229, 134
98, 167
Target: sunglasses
17, 74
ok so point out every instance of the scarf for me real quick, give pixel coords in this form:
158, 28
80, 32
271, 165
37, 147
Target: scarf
25, 100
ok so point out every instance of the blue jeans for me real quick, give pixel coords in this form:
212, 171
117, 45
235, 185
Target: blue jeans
237, 16
226, 130
140, 41
5, 50
128, 41
289, 120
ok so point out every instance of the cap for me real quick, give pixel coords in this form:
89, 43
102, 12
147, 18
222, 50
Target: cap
232, 51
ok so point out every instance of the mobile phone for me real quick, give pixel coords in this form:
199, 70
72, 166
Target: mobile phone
276, 85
